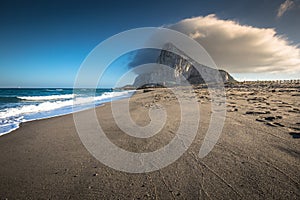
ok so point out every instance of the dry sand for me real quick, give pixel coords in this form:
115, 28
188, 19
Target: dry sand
256, 157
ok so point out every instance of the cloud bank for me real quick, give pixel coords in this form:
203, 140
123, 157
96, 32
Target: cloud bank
285, 6
240, 48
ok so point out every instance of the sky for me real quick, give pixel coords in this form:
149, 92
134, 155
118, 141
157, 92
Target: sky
43, 43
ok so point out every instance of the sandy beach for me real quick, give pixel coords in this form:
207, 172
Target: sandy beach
256, 157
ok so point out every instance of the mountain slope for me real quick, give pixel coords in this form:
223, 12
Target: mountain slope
183, 69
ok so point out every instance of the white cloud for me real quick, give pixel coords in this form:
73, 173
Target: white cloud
285, 6
239, 48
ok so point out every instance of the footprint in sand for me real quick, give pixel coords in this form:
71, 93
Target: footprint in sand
295, 135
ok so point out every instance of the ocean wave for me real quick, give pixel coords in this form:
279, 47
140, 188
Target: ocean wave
52, 90
48, 105
50, 97
104, 96
27, 109
116, 94
7, 128
11, 117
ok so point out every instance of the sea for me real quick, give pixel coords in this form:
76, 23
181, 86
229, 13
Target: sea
22, 105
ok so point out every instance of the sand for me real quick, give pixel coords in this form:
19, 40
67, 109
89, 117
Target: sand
256, 157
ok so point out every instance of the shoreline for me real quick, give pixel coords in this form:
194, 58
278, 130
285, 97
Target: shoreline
45, 158
45, 118
58, 112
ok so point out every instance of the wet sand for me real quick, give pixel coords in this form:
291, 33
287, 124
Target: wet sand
256, 157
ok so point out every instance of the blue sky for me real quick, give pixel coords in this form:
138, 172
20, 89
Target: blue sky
43, 43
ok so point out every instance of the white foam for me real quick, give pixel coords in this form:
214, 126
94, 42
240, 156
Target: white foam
48, 106
115, 94
11, 117
51, 97
8, 128
27, 109
104, 96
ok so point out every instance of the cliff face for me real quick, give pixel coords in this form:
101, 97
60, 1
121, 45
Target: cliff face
182, 66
